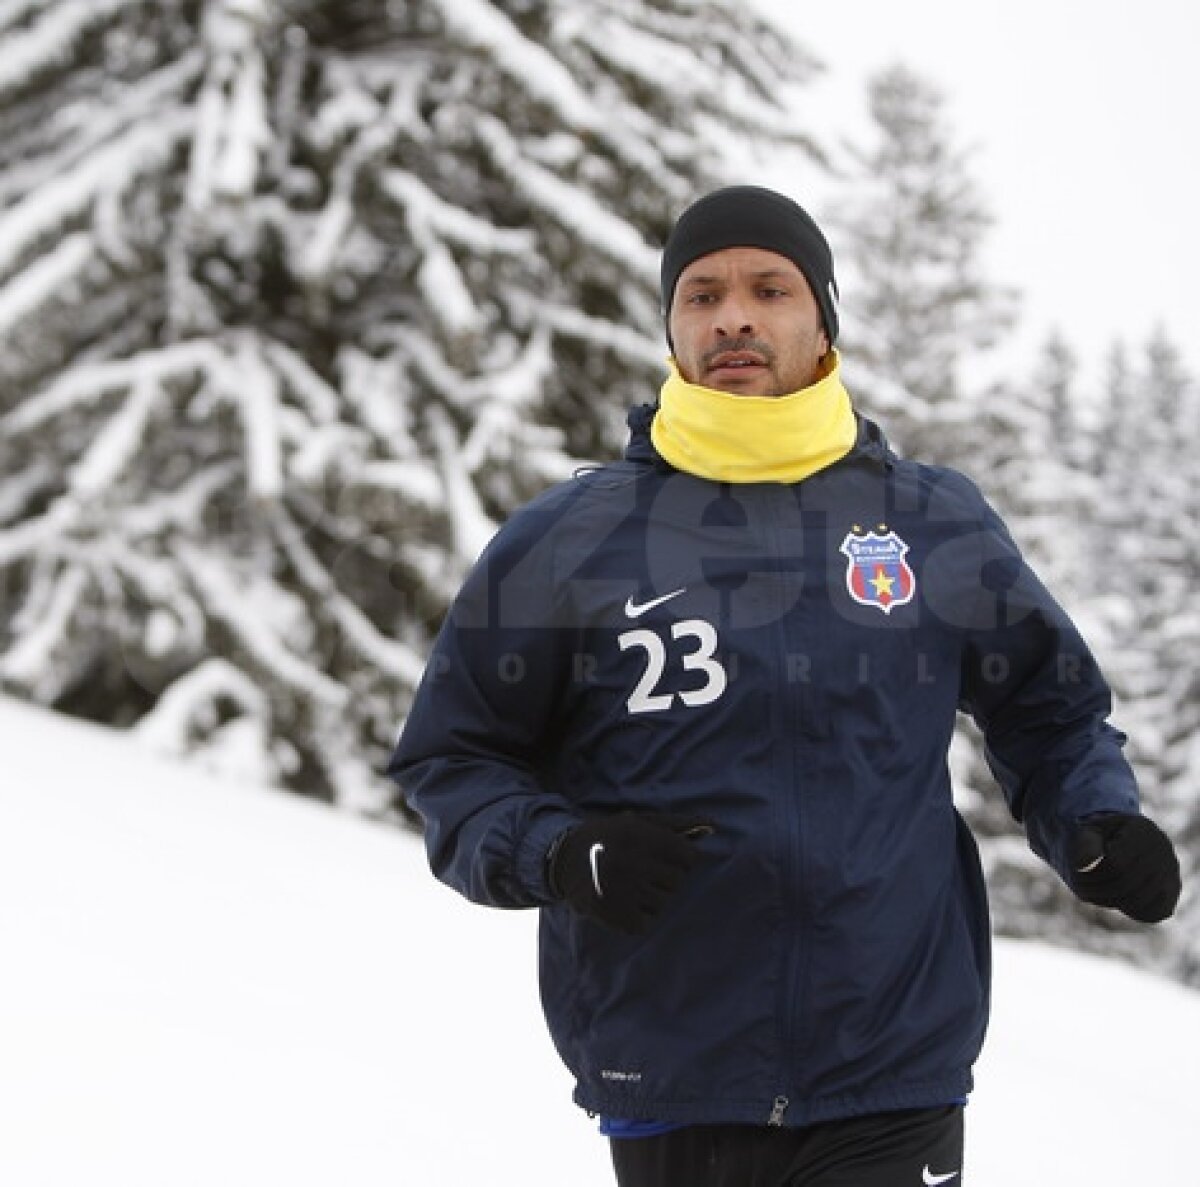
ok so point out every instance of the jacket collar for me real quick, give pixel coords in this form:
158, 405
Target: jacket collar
870, 445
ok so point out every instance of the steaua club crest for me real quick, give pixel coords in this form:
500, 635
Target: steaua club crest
876, 572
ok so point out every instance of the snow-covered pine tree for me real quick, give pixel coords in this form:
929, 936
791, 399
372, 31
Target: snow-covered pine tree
297, 299
1056, 375
1126, 549
1137, 537
910, 225
1147, 562
1036, 467
1037, 474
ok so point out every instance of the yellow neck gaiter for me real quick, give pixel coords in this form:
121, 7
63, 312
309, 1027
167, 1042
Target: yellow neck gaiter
731, 438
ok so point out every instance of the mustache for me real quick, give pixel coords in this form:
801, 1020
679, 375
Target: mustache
753, 345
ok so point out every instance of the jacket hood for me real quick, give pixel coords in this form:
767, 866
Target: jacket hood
870, 445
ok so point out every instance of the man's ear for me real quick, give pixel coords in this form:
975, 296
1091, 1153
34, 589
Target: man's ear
824, 344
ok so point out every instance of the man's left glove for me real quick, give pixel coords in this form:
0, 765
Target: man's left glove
622, 870
1126, 862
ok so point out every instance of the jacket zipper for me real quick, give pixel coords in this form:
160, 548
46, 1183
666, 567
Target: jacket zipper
791, 831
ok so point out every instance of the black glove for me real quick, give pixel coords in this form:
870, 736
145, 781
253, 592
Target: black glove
621, 870
1126, 862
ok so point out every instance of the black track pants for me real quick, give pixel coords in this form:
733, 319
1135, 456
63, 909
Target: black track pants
914, 1148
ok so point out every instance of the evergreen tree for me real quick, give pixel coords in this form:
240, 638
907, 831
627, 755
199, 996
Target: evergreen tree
1056, 374
1127, 587
1115, 455
919, 303
1149, 535
297, 300
1036, 468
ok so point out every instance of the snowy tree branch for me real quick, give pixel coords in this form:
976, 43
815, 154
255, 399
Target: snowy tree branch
116, 446
392, 658
24, 226
187, 706
582, 214
44, 280
471, 527
48, 42
225, 601
42, 632
88, 383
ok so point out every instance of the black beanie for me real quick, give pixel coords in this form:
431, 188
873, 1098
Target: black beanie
750, 216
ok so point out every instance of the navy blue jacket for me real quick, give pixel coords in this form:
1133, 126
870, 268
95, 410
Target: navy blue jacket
788, 662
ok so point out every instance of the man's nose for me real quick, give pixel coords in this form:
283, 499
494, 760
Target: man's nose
735, 320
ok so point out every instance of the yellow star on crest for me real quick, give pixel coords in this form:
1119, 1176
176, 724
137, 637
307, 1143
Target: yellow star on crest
882, 583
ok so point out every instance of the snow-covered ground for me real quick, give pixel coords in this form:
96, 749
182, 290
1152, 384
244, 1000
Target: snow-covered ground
221, 985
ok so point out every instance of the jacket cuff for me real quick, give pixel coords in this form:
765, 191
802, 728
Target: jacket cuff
532, 867
1052, 837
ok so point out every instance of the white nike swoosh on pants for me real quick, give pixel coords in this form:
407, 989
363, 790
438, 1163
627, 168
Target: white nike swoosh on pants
594, 858
932, 1180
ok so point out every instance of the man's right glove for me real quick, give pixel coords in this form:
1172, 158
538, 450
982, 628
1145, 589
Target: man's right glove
1126, 862
622, 870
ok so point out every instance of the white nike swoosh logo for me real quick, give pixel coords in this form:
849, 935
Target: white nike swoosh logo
633, 610
932, 1180
594, 858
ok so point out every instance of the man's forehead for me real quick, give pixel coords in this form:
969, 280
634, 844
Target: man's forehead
756, 261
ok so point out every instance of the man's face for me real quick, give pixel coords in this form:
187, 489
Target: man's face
744, 320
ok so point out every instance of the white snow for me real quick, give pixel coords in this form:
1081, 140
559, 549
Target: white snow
190, 701
435, 216
445, 290
568, 204
380, 653
49, 41
44, 279
247, 134
30, 662
253, 385
623, 341
117, 443
326, 248
260, 619
344, 113
20, 488
481, 26
16, 11
232, 130
504, 398
651, 59
41, 215
232, 133
329, 233
90, 381
210, 117
183, 507
319, 399
218, 985
469, 523
31, 534
413, 479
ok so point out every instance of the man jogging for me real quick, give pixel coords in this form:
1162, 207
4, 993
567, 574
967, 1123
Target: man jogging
696, 706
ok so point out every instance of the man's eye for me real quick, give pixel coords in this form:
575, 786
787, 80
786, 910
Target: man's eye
701, 298
772, 292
